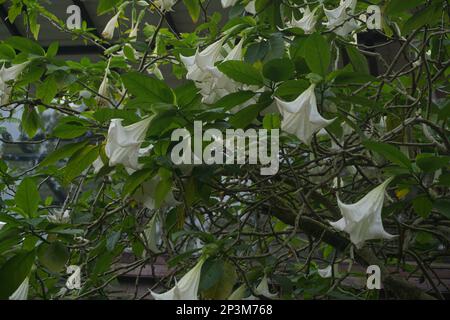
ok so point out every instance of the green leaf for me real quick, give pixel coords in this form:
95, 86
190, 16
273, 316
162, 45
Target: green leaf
80, 162
194, 8
245, 116
431, 163
47, 90
443, 207
242, 72
224, 286
429, 15
234, 99
162, 190
422, 206
389, 152
14, 272
317, 54
291, 89
401, 6
358, 60
348, 77
52, 50
135, 180
106, 5
148, 89
27, 197
278, 69
61, 153
271, 121
212, 271
7, 52
30, 121
25, 45
69, 131
53, 256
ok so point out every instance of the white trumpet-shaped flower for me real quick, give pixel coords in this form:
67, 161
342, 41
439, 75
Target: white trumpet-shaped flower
228, 3
307, 23
251, 7
301, 117
108, 32
186, 288
123, 144
212, 83
74, 280
21, 292
362, 220
198, 64
2, 224
150, 233
8, 74
262, 290
328, 271
59, 217
165, 5
339, 19
103, 90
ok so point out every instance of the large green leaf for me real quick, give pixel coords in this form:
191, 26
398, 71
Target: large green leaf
14, 271
25, 45
80, 162
389, 152
431, 163
194, 8
241, 71
149, 89
317, 54
278, 69
27, 197
53, 256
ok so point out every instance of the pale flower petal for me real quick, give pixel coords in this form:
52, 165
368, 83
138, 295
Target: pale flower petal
339, 20
21, 292
123, 143
186, 288
301, 117
307, 23
108, 32
165, 5
362, 220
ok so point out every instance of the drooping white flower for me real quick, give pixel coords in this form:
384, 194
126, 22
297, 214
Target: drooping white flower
165, 5
328, 271
228, 3
186, 288
301, 117
108, 32
8, 74
250, 7
198, 64
339, 19
362, 220
74, 280
150, 233
21, 292
307, 23
59, 217
123, 144
212, 83
2, 224
103, 90
263, 289
146, 195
